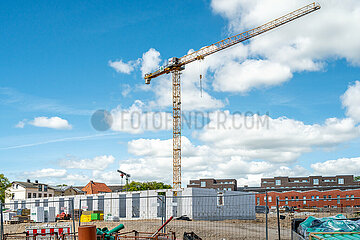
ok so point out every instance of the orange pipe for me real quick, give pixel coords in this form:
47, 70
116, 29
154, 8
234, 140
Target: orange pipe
87, 232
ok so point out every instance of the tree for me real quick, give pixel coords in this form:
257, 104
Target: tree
139, 186
357, 178
4, 184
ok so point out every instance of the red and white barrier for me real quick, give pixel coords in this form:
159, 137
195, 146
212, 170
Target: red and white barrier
36, 231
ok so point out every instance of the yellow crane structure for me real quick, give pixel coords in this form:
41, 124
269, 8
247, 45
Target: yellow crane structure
176, 65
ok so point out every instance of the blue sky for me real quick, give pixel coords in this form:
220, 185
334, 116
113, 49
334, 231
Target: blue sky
63, 60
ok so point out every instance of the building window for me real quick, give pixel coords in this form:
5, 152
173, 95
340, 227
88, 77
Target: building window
304, 181
29, 195
34, 195
286, 200
45, 188
270, 199
338, 199
220, 199
258, 201
203, 184
40, 187
304, 201
229, 189
352, 197
347, 197
317, 198
340, 181
45, 195
278, 182
50, 195
312, 197
39, 195
324, 197
329, 197
316, 181
264, 181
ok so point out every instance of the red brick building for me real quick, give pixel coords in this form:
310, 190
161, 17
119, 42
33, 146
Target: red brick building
326, 198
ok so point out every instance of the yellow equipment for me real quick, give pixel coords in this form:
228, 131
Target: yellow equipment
176, 65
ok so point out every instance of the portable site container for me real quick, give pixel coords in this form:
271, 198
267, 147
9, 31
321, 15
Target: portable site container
196, 203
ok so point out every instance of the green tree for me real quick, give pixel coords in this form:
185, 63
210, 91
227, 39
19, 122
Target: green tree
357, 178
139, 186
4, 184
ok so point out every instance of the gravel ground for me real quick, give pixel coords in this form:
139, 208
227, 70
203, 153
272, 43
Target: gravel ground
227, 230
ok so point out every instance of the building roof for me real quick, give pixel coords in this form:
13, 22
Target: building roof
116, 188
96, 187
64, 188
30, 184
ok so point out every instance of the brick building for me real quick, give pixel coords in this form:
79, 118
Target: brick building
309, 182
95, 188
219, 184
318, 198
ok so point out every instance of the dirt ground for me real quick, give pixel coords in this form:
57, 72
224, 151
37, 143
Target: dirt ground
223, 230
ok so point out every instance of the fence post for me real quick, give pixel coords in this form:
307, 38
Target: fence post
164, 229
80, 211
162, 200
278, 215
73, 216
266, 216
2, 221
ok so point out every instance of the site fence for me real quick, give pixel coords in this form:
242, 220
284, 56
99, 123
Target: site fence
15, 224
291, 212
226, 215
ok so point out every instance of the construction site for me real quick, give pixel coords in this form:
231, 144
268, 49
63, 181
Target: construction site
208, 209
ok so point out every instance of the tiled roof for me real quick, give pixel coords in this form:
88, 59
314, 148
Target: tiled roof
96, 187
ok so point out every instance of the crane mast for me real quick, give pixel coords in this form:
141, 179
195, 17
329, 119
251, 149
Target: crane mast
176, 65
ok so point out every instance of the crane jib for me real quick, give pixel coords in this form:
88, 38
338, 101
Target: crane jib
228, 42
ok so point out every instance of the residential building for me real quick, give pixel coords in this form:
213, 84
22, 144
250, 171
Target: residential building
25, 190
218, 184
67, 191
96, 187
311, 182
334, 198
116, 188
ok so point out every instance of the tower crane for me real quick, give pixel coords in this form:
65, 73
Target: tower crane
176, 65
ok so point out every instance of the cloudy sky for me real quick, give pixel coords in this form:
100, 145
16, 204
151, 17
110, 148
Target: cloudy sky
284, 103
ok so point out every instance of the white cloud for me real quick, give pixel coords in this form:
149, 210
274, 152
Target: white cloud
240, 77
47, 173
302, 45
122, 67
20, 124
154, 162
136, 119
338, 166
126, 89
150, 61
351, 101
276, 140
96, 163
52, 122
